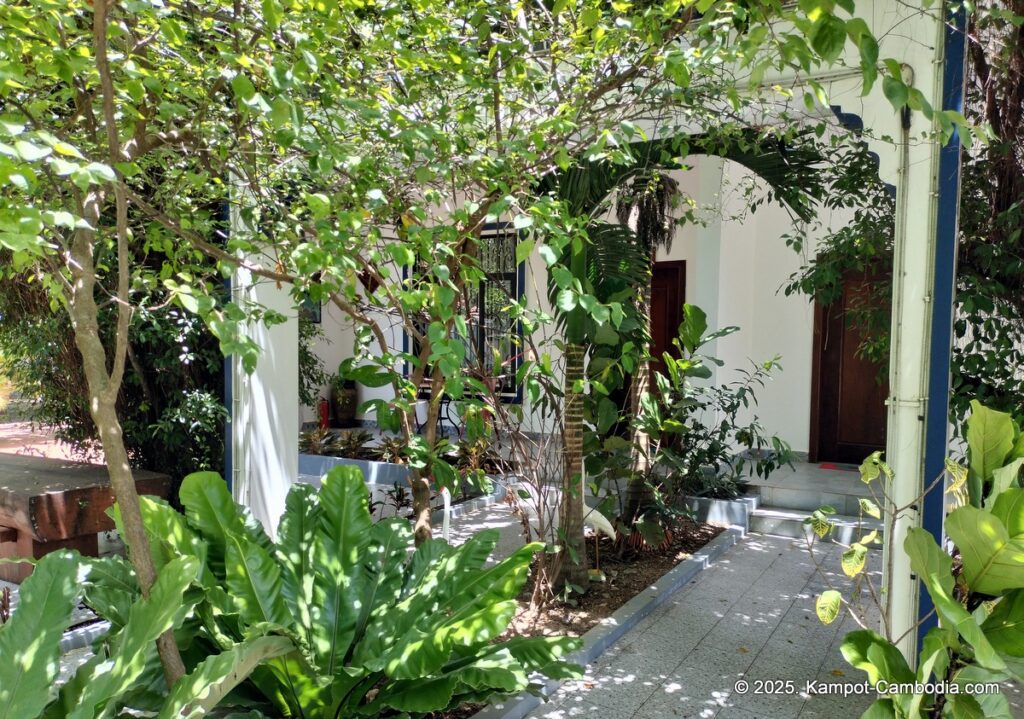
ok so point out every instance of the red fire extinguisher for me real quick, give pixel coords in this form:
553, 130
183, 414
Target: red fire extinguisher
323, 408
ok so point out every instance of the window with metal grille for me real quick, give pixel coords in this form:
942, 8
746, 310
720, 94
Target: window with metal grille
494, 333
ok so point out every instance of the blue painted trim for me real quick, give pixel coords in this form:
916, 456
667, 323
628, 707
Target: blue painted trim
229, 376
229, 444
943, 298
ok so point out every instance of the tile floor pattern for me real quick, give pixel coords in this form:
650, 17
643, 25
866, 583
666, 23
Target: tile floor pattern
749, 616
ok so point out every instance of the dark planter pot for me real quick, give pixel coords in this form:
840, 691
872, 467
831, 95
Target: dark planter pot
345, 401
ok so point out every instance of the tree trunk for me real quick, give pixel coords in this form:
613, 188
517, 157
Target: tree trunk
571, 567
638, 492
102, 407
104, 385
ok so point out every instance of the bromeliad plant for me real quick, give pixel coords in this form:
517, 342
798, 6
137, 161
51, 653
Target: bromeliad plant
977, 591
379, 630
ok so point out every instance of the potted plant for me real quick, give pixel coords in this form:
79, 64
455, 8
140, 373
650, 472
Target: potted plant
344, 400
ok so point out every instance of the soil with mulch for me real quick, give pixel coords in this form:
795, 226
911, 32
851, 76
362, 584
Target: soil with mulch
628, 572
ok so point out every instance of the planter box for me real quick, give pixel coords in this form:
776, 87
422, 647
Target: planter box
386, 473
730, 512
383, 476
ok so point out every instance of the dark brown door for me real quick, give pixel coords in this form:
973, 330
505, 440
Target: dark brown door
668, 292
848, 413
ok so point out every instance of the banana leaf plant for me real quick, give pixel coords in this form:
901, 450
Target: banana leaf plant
978, 591
379, 629
101, 687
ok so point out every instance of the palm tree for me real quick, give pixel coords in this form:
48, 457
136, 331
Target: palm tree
618, 255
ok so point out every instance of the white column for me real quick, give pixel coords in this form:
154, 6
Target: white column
265, 411
913, 277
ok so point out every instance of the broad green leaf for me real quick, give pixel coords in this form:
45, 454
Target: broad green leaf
828, 606
384, 561
295, 546
199, 692
1008, 508
880, 709
214, 514
341, 538
965, 706
254, 582
881, 660
29, 152
148, 619
498, 669
1004, 627
110, 588
1003, 479
895, 91
545, 654
829, 37
416, 696
691, 331
934, 568
992, 561
989, 440
30, 640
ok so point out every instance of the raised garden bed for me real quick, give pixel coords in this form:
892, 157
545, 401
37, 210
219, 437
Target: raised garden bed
385, 478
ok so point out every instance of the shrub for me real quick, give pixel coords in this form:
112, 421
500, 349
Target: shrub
379, 629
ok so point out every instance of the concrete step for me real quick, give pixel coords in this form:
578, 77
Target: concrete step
784, 522
808, 487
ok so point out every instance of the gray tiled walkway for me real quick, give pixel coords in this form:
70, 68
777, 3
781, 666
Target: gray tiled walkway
750, 616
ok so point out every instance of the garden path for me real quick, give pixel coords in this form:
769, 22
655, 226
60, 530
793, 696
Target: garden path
749, 616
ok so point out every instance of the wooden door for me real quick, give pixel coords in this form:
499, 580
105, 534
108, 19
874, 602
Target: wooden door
848, 412
668, 292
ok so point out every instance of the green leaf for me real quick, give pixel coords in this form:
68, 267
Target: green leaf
881, 660
1004, 627
869, 508
254, 582
989, 440
828, 606
895, 91
210, 509
295, 545
30, 640
828, 38
1008, 508
110, 588
934, 568
868, 47
341, 539
854, 559
992, 561
523, 250
199, 692
29, 152
149, 618
1003, 479
693, 327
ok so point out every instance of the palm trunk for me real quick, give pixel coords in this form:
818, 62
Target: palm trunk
572, 568
638, 492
